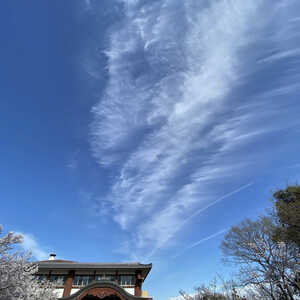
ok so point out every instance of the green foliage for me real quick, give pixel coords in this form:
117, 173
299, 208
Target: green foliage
287, 205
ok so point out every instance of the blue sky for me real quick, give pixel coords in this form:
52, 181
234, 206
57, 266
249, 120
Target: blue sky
142, 130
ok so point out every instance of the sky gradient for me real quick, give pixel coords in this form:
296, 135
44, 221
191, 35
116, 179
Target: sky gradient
142, 130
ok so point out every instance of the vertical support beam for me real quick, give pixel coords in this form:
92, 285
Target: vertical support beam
68, 284
49, 275
138, 284
117, 277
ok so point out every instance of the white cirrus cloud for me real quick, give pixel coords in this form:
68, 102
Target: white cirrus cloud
183, 102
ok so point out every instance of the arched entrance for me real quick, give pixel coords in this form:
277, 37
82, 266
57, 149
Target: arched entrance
101, 293
91, 297
98, 290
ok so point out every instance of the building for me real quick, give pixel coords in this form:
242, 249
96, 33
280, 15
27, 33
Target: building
86, 281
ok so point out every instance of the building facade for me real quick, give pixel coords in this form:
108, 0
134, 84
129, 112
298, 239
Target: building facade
84, 281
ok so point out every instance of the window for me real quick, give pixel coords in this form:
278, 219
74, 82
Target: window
82, 280
58, 279
41, 278
126, 280
105, 277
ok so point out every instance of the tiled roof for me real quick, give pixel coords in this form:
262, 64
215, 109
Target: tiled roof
60, 264
82, 265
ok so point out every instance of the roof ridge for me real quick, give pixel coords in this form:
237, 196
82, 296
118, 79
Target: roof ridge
98, 263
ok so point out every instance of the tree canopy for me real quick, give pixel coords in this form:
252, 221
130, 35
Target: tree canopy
17, 280
287, 204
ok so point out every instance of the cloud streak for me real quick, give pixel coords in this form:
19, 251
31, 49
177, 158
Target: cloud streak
30, 244
217, 201
183, 103
200, 242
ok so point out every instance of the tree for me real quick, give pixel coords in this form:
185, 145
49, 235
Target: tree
215, 291
287, 205
266, 252
265, 264
17, 280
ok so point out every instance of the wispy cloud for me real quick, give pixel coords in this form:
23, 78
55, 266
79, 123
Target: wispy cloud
88, 4
282, 55
183, 103
200, 242
165, 228
202, 209
30, 244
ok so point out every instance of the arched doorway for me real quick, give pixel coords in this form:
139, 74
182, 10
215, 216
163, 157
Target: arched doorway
98, 290
110, 297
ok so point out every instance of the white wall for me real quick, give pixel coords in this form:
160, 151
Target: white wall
129, 290
74, 291
59, 292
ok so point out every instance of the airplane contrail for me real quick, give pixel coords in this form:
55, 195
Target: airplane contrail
216, 201
203, 209
199, 242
